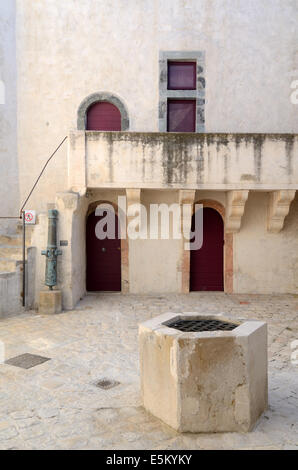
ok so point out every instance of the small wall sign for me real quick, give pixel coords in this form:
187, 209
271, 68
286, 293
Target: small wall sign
30, 217
63, 242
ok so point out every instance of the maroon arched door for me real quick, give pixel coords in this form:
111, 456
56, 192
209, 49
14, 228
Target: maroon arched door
103, 116
103, 258
207, 263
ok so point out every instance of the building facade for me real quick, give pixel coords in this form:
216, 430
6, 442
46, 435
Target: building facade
163, 102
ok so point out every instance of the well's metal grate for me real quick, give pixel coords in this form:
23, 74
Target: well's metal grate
200, 325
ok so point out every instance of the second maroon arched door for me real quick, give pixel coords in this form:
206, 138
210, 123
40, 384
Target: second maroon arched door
207, 263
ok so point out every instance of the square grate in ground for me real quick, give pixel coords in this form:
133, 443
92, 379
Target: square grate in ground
26, 361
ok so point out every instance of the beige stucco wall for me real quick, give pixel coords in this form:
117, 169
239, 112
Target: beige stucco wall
264, 262
67, 50
154, 264
9, 182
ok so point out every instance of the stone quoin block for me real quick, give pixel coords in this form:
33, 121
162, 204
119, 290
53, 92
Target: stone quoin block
207, 381
50, 302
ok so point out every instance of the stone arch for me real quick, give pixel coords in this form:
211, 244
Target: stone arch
213, 205
104, 97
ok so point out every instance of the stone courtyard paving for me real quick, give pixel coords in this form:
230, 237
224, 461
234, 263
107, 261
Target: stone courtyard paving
57, 405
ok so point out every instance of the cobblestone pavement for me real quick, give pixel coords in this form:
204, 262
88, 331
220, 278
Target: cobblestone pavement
56, 405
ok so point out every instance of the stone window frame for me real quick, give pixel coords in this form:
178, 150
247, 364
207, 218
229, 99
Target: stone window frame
198, 94
101, 97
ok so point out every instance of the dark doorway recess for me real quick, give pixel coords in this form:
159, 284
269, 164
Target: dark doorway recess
207, 263
103, 258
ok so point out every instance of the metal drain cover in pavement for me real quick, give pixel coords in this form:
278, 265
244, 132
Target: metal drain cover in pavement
26, 361
106, 384
195, 325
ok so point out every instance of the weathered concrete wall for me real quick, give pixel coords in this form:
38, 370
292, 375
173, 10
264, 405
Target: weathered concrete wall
177, 160
68, 50
265, 262
9, 183
10, 293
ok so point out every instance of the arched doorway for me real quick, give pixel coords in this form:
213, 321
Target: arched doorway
207, 263
103, 116
103, 270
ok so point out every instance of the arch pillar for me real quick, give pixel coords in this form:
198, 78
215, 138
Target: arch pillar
133, 196
72, 265
185, 197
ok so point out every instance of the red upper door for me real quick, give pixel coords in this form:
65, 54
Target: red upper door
103, 116
206, 264
103, 259
181, 75
181, 115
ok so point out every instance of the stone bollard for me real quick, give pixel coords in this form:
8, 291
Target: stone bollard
50, 302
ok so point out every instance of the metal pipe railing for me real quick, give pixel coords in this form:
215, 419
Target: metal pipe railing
22, 216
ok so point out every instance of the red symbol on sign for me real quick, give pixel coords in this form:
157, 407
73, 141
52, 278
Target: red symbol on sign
28, 217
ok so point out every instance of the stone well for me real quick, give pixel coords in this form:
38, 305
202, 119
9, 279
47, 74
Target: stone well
204, 381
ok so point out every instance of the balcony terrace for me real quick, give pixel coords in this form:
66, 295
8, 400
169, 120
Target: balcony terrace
156, 160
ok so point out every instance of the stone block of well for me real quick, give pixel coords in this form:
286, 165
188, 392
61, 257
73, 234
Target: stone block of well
213, 380
50, 302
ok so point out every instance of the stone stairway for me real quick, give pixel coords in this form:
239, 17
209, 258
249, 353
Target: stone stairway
11, 267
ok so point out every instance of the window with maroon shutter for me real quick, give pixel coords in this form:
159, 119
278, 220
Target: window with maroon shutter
181, 75
181, 115
182, 87
103, 116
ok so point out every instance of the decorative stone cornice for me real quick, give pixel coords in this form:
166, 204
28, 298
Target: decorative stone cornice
278, 209
186, 196
234, 210
133, 196
67, 200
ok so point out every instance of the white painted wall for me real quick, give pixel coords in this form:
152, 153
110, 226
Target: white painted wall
67, 50
264, 262
154, 264
9, 184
